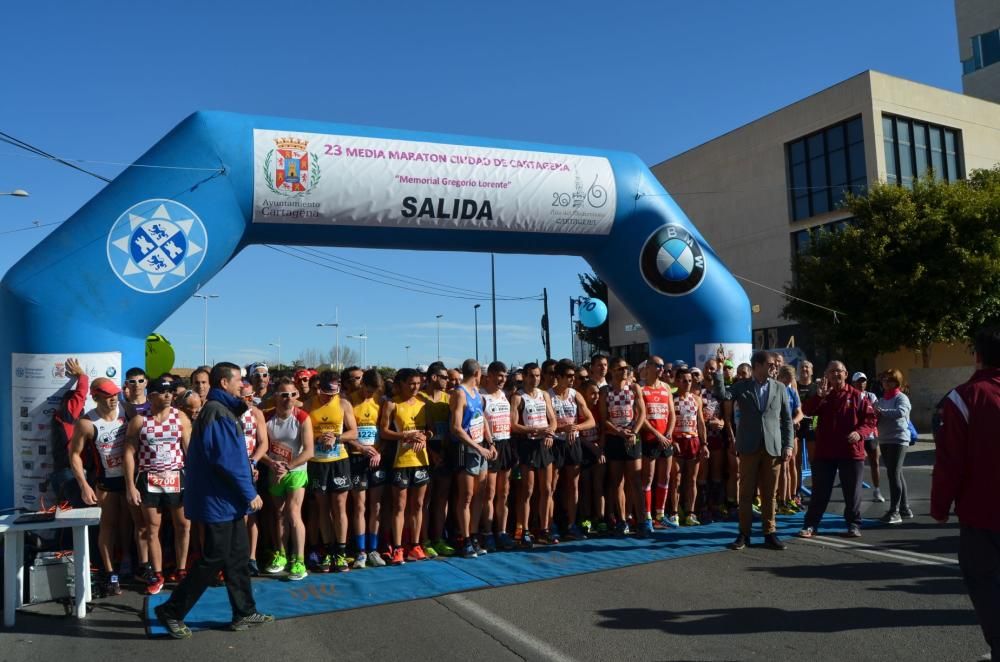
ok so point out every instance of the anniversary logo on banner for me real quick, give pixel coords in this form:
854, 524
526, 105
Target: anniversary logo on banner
37, 386
307, 178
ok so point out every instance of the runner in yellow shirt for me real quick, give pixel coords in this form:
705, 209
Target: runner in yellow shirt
404, 420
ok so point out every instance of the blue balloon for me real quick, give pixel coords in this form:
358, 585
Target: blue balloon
593, 313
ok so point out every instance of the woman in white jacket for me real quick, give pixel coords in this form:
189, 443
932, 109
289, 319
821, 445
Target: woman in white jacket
894, 438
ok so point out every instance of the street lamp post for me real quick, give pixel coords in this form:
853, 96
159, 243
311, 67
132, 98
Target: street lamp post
205, 298
438, 317
278, 345
337, 325
17, 193
364, 346
475, 312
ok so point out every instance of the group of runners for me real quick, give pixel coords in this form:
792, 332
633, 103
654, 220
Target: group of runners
357, 471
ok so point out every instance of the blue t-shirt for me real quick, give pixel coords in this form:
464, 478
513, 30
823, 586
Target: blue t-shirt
793, 400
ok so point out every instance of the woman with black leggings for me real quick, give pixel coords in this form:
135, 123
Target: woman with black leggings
894, 438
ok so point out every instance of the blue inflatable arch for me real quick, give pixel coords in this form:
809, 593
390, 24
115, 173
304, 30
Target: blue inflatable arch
140, 248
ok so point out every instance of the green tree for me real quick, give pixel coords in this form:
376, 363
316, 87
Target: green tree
916, 267
599, 336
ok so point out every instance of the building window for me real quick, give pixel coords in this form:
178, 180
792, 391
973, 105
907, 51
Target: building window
985, 51
914, 148
824, 166
802, 240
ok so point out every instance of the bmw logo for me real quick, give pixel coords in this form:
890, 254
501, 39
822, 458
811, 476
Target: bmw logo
111, 371
156, 245
672, 261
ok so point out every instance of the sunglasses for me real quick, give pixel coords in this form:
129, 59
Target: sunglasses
569, 375
288, 396
135, 381
659, 366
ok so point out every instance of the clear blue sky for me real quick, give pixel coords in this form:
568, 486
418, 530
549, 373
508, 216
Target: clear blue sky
104, 81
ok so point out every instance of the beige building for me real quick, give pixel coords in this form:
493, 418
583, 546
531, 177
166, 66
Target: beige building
979, 47
757, 192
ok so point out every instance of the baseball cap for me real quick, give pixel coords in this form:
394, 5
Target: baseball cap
728, 364
329, 382
104, 386
303, 373
160, 386
859, 375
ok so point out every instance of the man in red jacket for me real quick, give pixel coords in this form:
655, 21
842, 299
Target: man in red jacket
966, 468
846, 418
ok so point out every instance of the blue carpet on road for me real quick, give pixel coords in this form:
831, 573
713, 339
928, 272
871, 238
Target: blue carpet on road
321, 593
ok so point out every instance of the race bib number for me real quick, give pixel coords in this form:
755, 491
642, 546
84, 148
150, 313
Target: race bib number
112, 461
476, 429
280, 452
657, 411
367, 435
501, 427
620, 415
163, 482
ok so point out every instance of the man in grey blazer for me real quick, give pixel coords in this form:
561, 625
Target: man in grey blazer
763, 442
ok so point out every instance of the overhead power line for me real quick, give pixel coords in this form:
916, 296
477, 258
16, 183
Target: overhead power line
11, 140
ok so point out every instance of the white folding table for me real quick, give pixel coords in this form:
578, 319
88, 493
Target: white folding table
78, 519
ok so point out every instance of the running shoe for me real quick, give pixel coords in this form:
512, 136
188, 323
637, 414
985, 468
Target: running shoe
155, 584
673, 521
476, 545
175, 627
622, 529
891, 518
298, 570
877, 496
586, 526
375, 559
807, 532
247, 622
313, 559
180, 575
277, 564
691, 520
785, 510
253, 568
111, 586
490, 543
554, 535
906, 513
441, 548
340, 563
416, 553
469, 551
853, 532
576, 533
326, 563
428, 550
602, 528
397, 556
647, 527
360, 562
505, 542
527, 540
542, 538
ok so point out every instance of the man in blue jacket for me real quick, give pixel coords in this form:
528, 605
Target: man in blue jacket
218, 492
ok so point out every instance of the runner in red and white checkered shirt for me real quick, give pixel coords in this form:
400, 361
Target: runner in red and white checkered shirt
156, 445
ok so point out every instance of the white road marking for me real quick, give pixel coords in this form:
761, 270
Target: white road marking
515, 635
897, 554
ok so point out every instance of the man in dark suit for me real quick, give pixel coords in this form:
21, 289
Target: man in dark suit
763, 442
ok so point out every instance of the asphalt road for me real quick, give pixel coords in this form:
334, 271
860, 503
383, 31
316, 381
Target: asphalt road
894, 594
